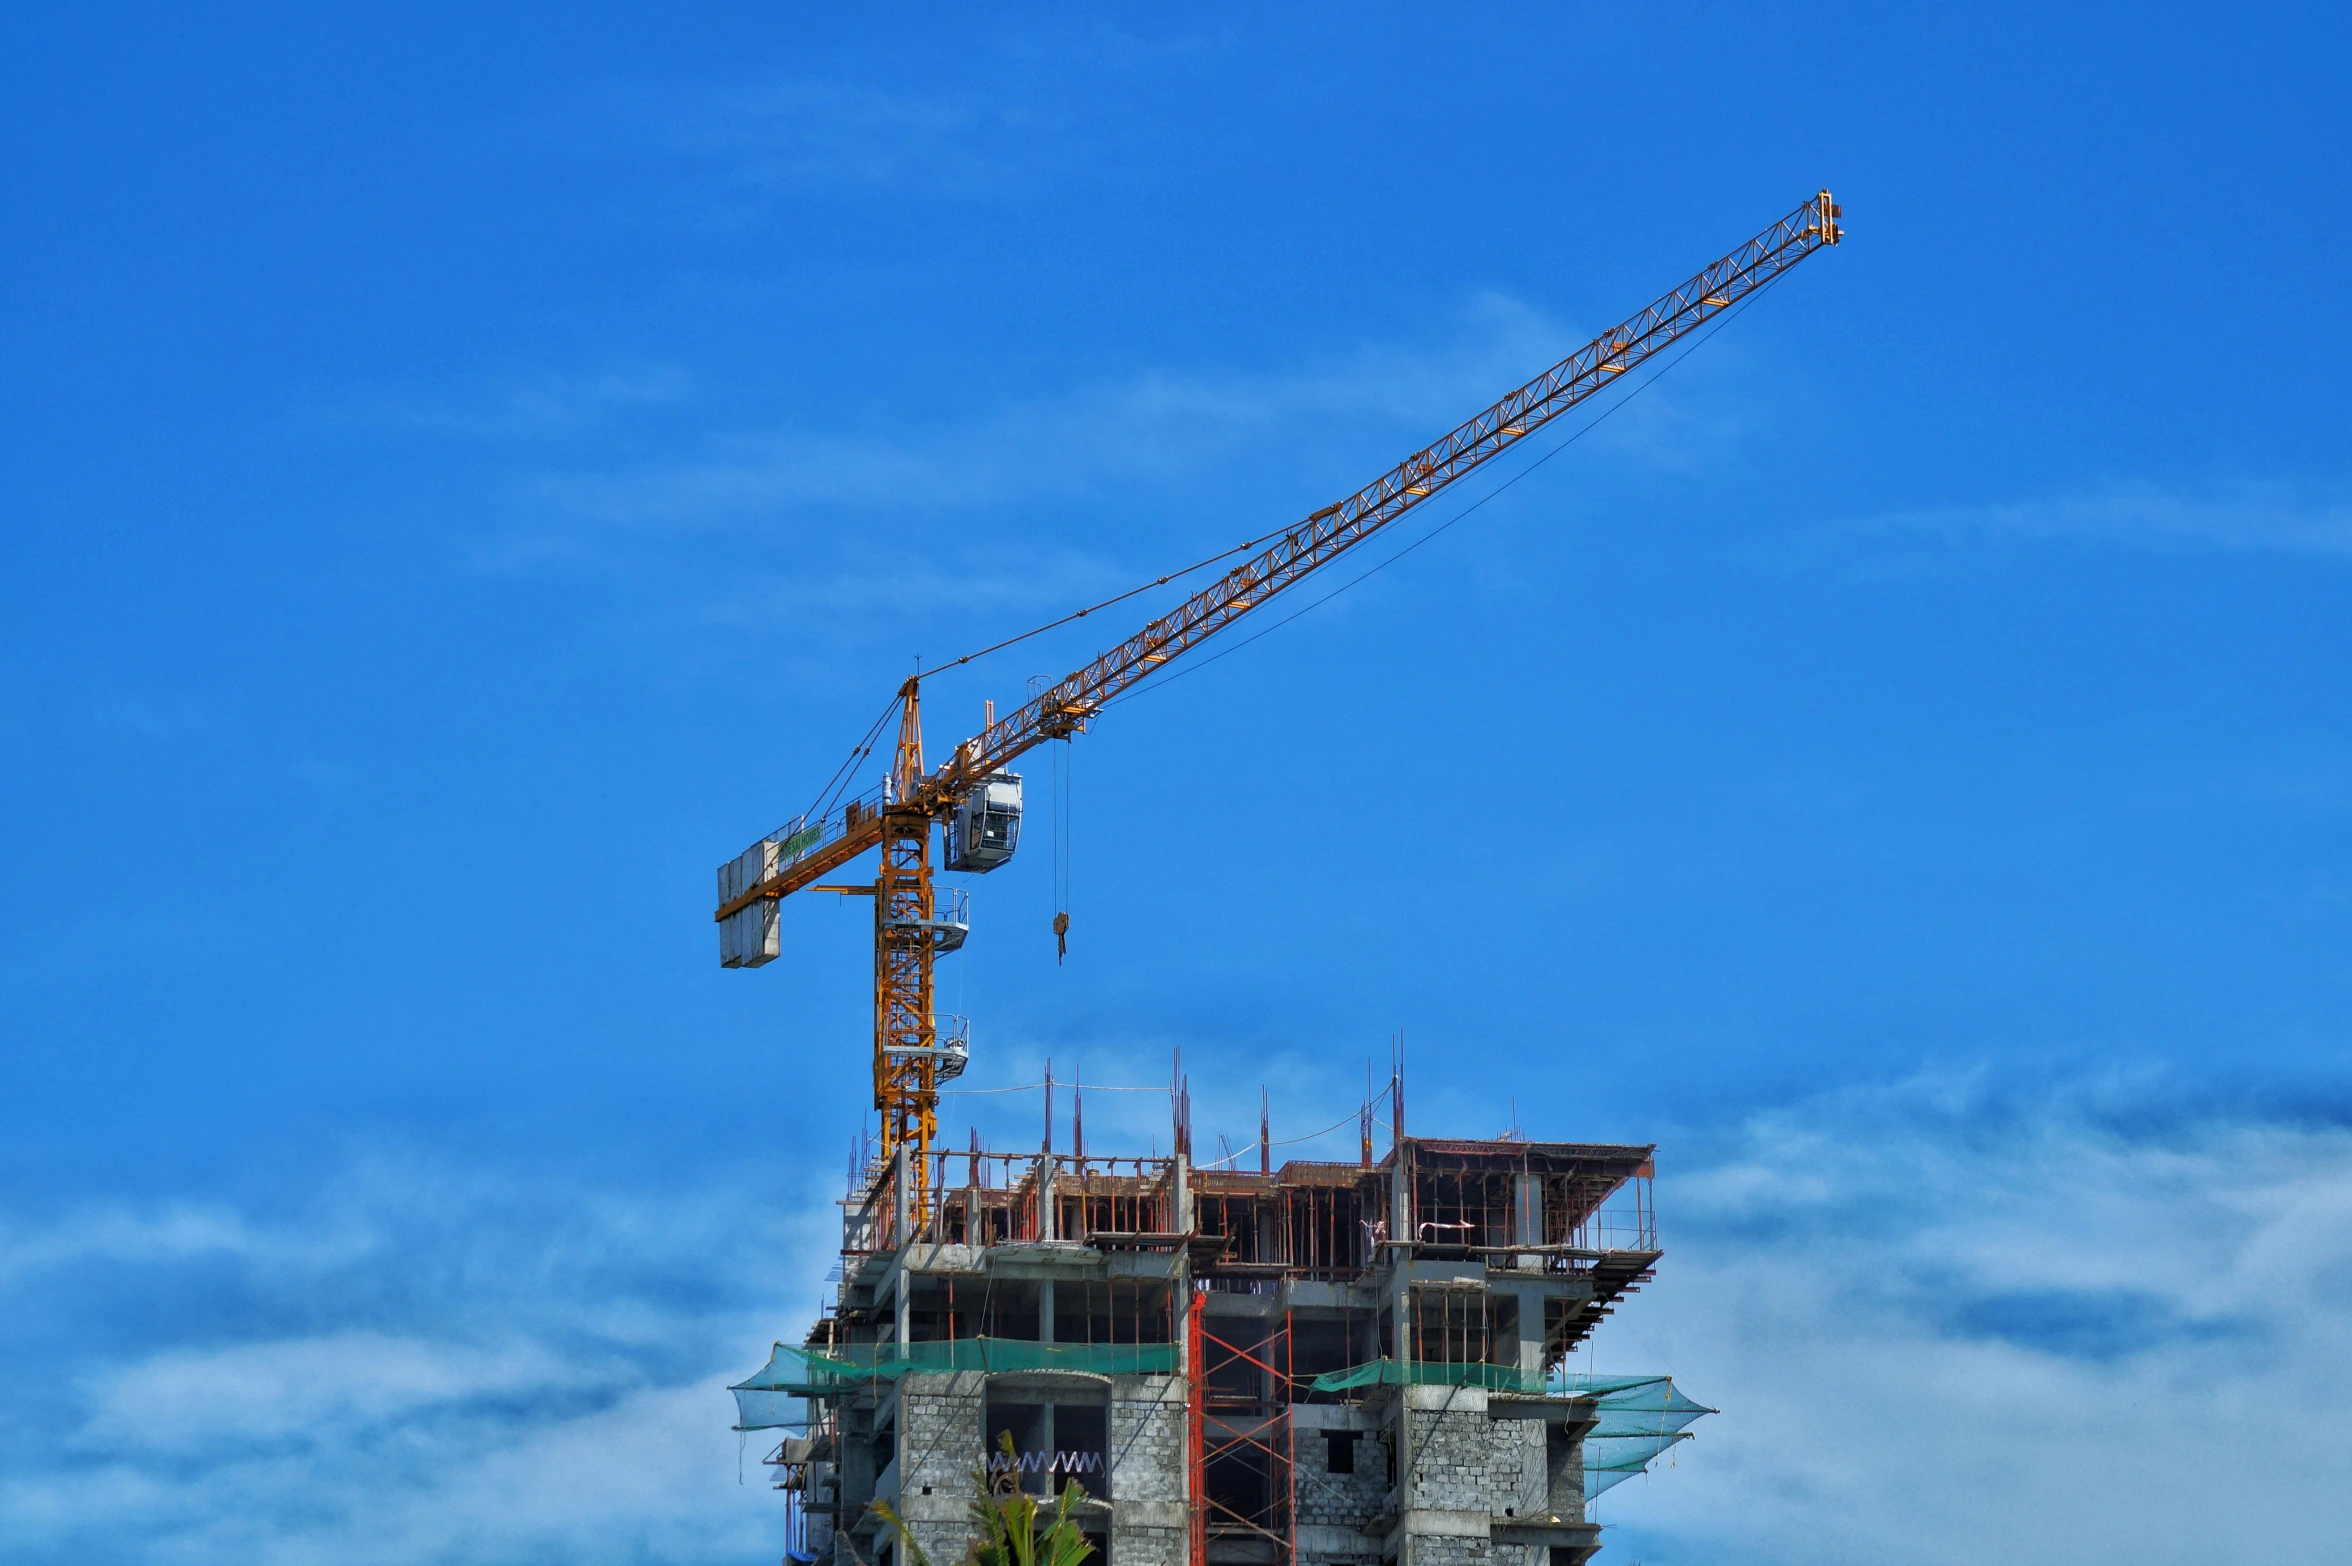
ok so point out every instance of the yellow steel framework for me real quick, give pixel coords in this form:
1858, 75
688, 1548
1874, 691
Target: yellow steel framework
900, 822
906, 1055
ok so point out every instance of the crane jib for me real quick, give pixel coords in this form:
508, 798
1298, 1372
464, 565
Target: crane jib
1329, 533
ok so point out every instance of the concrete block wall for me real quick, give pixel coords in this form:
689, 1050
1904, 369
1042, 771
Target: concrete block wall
939, 1440
1463, 1461
1453, 1550
1564, 1470
1343, 1519
1467, 1470
1150, 1521
939, 1446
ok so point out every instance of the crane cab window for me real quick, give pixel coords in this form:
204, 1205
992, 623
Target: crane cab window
985, 826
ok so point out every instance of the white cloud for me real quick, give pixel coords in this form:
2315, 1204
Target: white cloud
1945, 1329
426, 1363
652, 1474
173, 1233
184, 1400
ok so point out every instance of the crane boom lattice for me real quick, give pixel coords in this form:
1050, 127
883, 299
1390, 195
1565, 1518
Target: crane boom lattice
898, 817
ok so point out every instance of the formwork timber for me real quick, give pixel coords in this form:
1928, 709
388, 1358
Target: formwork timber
1331, 1363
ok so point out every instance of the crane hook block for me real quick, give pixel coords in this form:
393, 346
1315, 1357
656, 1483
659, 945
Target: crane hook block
985, 826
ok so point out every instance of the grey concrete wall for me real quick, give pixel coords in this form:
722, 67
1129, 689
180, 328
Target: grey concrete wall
1452, 1550
1564, 1474
1150, 1522
938, 1450
1342, 1518
939, 1441
1465, 1462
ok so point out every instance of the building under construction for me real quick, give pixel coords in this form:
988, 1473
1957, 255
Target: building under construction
1342, 1363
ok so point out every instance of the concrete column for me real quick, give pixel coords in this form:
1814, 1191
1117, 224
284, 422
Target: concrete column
1180, 1301
1563, 1474
1531, 1327
899, 1211
1045, 1310
1400, 1231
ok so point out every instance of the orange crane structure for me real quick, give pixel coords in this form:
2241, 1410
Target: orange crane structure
974, 796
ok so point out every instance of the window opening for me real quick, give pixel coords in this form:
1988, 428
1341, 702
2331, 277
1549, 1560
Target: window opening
1057, 1441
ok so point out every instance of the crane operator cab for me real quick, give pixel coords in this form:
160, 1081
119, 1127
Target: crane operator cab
986, 825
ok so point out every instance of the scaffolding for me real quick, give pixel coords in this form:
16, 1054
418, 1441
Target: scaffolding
1244, 1478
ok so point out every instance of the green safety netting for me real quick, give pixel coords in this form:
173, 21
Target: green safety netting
1641, 1416
1425, 1373
761, 1399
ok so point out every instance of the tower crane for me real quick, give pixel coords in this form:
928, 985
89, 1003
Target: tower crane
977, 799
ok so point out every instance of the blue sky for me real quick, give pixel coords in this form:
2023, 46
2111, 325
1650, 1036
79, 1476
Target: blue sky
464, 476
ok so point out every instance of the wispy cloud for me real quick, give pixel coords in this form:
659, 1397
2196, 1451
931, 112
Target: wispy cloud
164, 1237
1037, 108
1943, 1326
2273, 518
1152, 428
323, 1388
549, 406
425, 1364
966, 510
824, 528
815, 135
